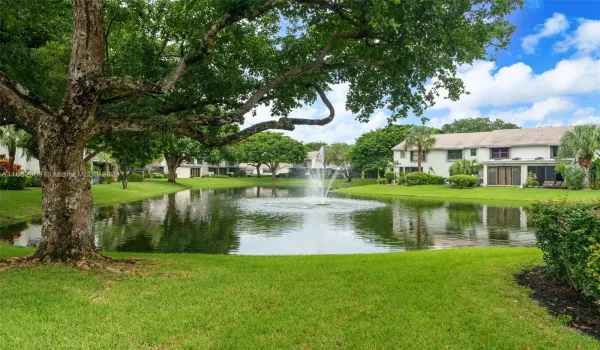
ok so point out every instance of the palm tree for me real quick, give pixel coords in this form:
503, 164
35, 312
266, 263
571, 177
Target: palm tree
421, 138
466, 167
581, 143
9, 138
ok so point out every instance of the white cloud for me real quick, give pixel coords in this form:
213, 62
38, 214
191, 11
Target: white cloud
585, 116
585, 40
518, 84
537, 112
554, 25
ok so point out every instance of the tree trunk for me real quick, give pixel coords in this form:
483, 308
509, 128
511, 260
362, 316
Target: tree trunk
173, 163
258, 170
66, 202
586, 177
106, 167
11, 159
273, 168
125, 179
419, 160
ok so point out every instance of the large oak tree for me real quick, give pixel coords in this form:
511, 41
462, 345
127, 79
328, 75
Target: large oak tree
191, 67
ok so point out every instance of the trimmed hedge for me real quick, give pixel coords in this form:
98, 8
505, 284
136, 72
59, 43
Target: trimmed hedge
382, 181
569, 236
136, 177
389, 176
105, 180
158, 176
35, 181
12, 182
463, 181
418, 179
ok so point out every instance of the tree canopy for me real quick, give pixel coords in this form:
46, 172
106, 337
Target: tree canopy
373, 150
421, 138
271, 149
339, 154
132, 152
73, 70
476, 125
314, 146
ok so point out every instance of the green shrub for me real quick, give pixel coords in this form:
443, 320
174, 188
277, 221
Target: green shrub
105, 179
136, 177
573, 177
569, 236
12, 182
418, 179
147, 176
389, 176
532, 180
382, 181
463, 181
36, 181
158, 176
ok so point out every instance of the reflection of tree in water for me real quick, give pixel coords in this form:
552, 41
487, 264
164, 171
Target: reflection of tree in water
134, 230
415, 213
501, 220
211, 232
9, 233
464, 218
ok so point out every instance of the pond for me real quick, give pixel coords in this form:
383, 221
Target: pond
283, 221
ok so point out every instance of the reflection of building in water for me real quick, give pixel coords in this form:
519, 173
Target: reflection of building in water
457, 224
22, 235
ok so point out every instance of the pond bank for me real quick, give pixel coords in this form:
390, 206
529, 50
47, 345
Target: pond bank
510, 196
457, 299
26, 205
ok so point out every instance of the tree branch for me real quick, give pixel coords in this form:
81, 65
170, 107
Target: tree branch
110, 123
210, 37
281, 124
317, 63
19, 107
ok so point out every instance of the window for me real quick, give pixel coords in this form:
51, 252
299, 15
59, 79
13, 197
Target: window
402, 154
499, 153
473, 152
545, 173
415, 158
553, 151
455, 154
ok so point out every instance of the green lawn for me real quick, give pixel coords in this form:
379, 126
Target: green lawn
17, 206
449, 299
496, 195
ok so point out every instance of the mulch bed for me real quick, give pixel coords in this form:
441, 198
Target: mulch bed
561, 300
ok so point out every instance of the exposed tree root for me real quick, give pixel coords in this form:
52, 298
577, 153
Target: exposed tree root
94, 261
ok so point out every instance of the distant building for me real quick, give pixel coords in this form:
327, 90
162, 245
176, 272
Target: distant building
507, 155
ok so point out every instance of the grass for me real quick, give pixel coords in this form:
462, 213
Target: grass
17, 206
449, 299
496, 195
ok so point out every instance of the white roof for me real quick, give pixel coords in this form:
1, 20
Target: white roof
546, 136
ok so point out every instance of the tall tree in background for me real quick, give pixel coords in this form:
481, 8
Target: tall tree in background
10, 137
271, 149
373, 150
176, 149
420, 138
314, 146
189, 67
476, 125
581, 143
132, 151
339, 154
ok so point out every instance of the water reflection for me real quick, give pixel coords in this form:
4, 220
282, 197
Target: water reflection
236, 221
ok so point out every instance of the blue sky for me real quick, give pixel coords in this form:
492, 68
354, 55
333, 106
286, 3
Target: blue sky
549, 75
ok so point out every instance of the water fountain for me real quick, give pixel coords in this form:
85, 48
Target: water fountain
320, 184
